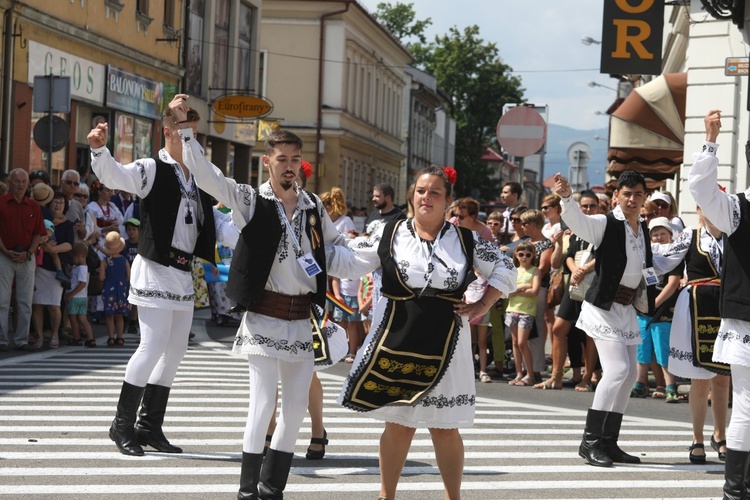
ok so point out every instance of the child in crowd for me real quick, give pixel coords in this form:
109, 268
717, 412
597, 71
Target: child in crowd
59, 274
521, 310
655, 330
77, 298
133, 229
364, 300
115, 273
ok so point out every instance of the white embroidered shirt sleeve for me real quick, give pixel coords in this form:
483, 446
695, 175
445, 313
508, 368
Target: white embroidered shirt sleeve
239, 197
587, 227
722, 209
136, 177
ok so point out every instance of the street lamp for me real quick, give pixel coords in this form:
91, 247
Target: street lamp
594, 84
587, 40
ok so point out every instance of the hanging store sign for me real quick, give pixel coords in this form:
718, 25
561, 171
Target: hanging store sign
242, 106
632, 34
136, 94
86, 77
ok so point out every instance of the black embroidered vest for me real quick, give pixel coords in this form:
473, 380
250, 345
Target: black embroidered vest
393, 287
257, 246
698, 265
611, 259
159, 215
735, 280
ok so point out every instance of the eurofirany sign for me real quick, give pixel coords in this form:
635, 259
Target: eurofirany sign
632, 34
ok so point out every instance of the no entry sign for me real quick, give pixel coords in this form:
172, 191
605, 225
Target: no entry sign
522, 131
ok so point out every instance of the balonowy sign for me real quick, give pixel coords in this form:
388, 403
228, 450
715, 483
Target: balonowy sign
242, 106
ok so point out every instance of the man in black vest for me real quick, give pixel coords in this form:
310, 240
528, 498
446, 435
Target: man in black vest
177, 223
278, 273
730, 214
626, 275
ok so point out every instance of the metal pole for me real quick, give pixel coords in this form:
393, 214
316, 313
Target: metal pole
49, 116
5, 139
520, 174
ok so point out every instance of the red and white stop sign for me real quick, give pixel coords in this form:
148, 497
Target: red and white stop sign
522, 131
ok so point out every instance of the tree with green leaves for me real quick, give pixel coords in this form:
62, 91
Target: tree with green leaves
471, 72
479, 84
400, 20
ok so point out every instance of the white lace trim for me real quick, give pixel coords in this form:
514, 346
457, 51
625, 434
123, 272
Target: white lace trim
607, 332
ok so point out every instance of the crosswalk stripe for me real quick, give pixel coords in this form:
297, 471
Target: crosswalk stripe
514, 446
357, 487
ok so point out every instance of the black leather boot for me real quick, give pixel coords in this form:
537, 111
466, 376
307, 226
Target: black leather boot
122, 431
274, 474
592, 448
249, 475
735, 468
151, 417
610, 435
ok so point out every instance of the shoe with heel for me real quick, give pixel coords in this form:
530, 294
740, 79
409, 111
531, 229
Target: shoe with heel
317, 454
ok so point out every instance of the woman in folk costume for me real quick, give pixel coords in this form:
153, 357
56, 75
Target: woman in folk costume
694, 330
415, 368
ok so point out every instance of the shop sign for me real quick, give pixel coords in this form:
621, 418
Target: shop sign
136, 94
632, 34
242, 106
86, 77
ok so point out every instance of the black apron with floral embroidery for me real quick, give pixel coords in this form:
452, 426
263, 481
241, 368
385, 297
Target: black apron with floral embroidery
415, 341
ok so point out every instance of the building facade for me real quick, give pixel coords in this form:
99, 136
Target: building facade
339, 83
123, 63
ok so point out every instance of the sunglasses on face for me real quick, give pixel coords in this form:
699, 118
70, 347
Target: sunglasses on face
525, 223
661, 204
547, 207
79, 195
459, 216
72, 183
648, 216
524, 255
515, 219
588, 207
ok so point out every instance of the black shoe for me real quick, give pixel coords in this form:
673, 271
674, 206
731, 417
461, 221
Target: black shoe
25, 347
122, 431
317, 454
694, 457
610, 435
148, 430
591, 447
716, 446
237, 308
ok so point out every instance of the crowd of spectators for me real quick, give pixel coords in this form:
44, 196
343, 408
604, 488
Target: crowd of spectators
60, 260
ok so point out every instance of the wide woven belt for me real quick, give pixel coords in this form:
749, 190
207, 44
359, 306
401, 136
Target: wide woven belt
180, 260
280, 306
625, 295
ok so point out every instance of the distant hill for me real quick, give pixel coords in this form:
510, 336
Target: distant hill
560, 138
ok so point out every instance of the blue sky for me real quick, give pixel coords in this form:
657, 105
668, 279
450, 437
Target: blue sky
541, 41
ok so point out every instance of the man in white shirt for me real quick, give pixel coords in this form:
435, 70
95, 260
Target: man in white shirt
730, 214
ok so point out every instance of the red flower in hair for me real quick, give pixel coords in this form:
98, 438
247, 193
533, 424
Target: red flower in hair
451, 173
307, 169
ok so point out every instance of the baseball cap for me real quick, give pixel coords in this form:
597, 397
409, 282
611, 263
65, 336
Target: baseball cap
49, 225
659, 196
135, 222
661, 222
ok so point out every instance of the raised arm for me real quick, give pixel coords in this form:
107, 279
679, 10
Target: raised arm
719, 207
136, 177
587, 227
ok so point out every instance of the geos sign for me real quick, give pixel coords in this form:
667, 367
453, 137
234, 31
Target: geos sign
632, 33
242, 106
